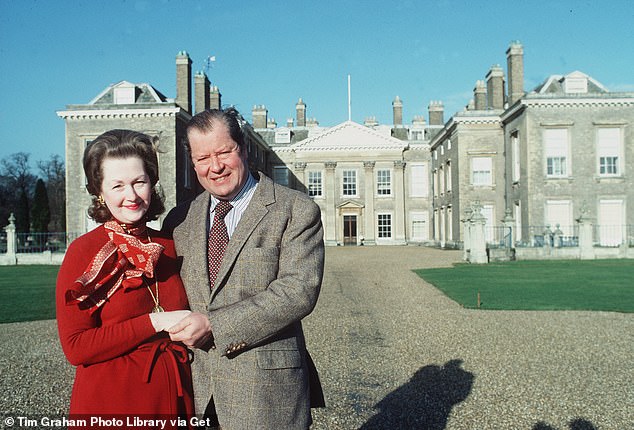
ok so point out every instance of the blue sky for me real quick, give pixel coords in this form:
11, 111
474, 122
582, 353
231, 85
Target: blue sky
54, 53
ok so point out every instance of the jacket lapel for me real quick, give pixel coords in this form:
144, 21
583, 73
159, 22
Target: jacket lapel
197, 248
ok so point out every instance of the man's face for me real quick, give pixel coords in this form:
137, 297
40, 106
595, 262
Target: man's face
221, 167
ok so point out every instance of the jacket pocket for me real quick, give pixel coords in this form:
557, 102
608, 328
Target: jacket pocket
280, 359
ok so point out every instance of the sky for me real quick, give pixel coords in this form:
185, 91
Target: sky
59, 52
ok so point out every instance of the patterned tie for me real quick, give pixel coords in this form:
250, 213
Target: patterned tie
218, 240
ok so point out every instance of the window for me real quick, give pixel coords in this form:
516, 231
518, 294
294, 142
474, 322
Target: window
487, 213
280, 175
419, 226
611, 222
448, 181
384, 182
608, 151
481, 171
559, 213
384, 226
416, 135
315, 188
436, 183
349, 183
124, 94
556, 149
515, 148
441, 181
419, 183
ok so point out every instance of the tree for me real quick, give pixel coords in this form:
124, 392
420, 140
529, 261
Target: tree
54, 174
22, 218
40, 212
16, 185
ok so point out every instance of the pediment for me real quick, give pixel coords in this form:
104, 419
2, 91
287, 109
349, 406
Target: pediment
350, 204
349, 136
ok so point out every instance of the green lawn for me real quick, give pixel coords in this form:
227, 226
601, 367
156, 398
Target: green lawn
598, 285
27, 293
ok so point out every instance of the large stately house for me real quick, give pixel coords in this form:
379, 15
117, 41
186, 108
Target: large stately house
532, 159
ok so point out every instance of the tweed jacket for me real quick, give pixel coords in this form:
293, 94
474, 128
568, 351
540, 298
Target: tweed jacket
257, 374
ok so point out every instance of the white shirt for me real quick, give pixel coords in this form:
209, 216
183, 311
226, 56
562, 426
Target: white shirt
239, 203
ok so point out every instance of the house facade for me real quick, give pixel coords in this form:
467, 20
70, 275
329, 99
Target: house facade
537, 161
141, 107
570, 152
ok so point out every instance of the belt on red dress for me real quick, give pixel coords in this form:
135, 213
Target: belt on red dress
176, 353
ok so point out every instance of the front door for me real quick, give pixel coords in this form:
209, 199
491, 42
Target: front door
349, 229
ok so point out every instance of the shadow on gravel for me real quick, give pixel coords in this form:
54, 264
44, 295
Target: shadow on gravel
425, 401
576, 424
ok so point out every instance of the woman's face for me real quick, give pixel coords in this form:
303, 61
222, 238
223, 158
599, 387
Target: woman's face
126, 188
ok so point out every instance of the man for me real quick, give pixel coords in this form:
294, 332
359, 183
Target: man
250, 367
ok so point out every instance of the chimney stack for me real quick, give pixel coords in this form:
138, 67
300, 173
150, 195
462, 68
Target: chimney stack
215, 98
201, 92
495, 87
480, 96
259, 114
515, 67
397, 111
436, 113
184, 81
300, 108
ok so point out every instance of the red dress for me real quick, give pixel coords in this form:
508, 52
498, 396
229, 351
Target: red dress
124, 367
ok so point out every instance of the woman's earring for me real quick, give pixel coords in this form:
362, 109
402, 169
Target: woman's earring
101, 201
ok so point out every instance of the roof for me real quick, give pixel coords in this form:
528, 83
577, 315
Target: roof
143, 93
348, 136
556, 84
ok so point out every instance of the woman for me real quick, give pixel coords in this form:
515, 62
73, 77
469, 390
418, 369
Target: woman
116, 288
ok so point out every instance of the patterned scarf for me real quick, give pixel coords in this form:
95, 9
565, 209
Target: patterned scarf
122, 261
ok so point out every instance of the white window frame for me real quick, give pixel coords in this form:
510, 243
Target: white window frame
559, 212
419, 180
556, 153
611, 234
315, 183
384, 221
125, 94
609, 147
488, 212
419, 224
349, 183
516, 156
383, 184
482, 171
448, 180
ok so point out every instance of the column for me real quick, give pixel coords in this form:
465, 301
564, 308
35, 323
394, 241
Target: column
369, 215
299, 171
586, 249
399, 203
12, 243
330, 188
478, 254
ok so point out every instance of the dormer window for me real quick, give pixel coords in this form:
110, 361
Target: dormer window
125, 94
576, 84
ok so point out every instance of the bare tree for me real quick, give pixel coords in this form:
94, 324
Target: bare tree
53, 172
17, 184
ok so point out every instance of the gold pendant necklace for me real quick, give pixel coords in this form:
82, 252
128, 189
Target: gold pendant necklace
157, 307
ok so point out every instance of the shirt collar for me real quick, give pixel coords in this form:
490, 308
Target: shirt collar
244, 192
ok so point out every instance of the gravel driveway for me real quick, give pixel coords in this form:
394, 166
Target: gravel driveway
395, 353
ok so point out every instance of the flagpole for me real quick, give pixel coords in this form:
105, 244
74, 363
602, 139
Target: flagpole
349, 106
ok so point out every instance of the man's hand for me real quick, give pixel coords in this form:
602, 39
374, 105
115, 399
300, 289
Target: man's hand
194, 330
